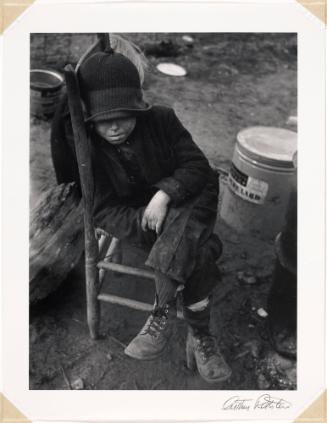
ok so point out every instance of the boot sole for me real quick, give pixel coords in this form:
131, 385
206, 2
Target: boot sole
147, 358
221, 379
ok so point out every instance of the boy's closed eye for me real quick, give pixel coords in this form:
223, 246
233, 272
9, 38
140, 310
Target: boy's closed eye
116, 130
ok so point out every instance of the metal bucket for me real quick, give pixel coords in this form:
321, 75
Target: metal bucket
260, 180
45, 90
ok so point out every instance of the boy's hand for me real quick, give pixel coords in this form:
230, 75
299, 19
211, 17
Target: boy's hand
155, 212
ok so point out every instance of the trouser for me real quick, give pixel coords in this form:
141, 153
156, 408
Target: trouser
282, 300
187, 249
196, 314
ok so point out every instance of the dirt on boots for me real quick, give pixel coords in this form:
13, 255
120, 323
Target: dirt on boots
202, 353
153, 338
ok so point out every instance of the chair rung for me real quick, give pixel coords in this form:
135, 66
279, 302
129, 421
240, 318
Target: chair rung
136, 305
128, 270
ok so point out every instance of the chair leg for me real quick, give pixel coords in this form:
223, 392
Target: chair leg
93, 304
115, 252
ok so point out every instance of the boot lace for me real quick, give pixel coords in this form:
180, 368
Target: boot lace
156, 322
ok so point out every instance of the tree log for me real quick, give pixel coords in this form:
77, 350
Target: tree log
56, 239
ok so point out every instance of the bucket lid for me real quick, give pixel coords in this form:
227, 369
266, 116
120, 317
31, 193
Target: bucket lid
268, 145
44, 79
171, 69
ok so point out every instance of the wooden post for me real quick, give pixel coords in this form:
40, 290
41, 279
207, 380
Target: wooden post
83, 153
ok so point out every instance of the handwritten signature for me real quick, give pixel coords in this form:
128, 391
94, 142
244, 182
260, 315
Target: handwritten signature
263, 402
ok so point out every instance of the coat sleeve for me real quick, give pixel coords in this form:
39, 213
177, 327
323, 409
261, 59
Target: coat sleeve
192, 169
62, 146
112, 215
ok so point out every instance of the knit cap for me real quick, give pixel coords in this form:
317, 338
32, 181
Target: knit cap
110, 87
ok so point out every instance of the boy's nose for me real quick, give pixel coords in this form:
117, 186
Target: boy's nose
114, 125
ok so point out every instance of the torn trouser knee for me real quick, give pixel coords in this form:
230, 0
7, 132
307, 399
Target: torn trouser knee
186, 231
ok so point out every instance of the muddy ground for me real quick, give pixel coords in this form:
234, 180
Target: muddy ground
233, 81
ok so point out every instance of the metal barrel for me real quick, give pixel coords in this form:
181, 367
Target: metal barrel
260, 180
45, 92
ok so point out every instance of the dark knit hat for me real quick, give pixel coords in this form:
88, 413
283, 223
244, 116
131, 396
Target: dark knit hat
110, 87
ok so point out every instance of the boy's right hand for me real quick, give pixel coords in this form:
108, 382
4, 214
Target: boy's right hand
155, 212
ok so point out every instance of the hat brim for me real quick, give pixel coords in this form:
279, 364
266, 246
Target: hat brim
118, 113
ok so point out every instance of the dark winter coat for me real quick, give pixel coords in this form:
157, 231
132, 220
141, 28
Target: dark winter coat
159, 154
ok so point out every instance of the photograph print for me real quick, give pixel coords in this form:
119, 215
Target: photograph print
163, 211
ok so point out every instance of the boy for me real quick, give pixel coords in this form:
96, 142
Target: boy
155, 188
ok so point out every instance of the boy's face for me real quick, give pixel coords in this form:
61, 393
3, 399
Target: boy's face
116, 130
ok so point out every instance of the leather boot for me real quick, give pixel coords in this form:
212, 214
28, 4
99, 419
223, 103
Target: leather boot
201, 348
202, 353
153, 338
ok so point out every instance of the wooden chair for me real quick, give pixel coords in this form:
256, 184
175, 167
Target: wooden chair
99, 256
